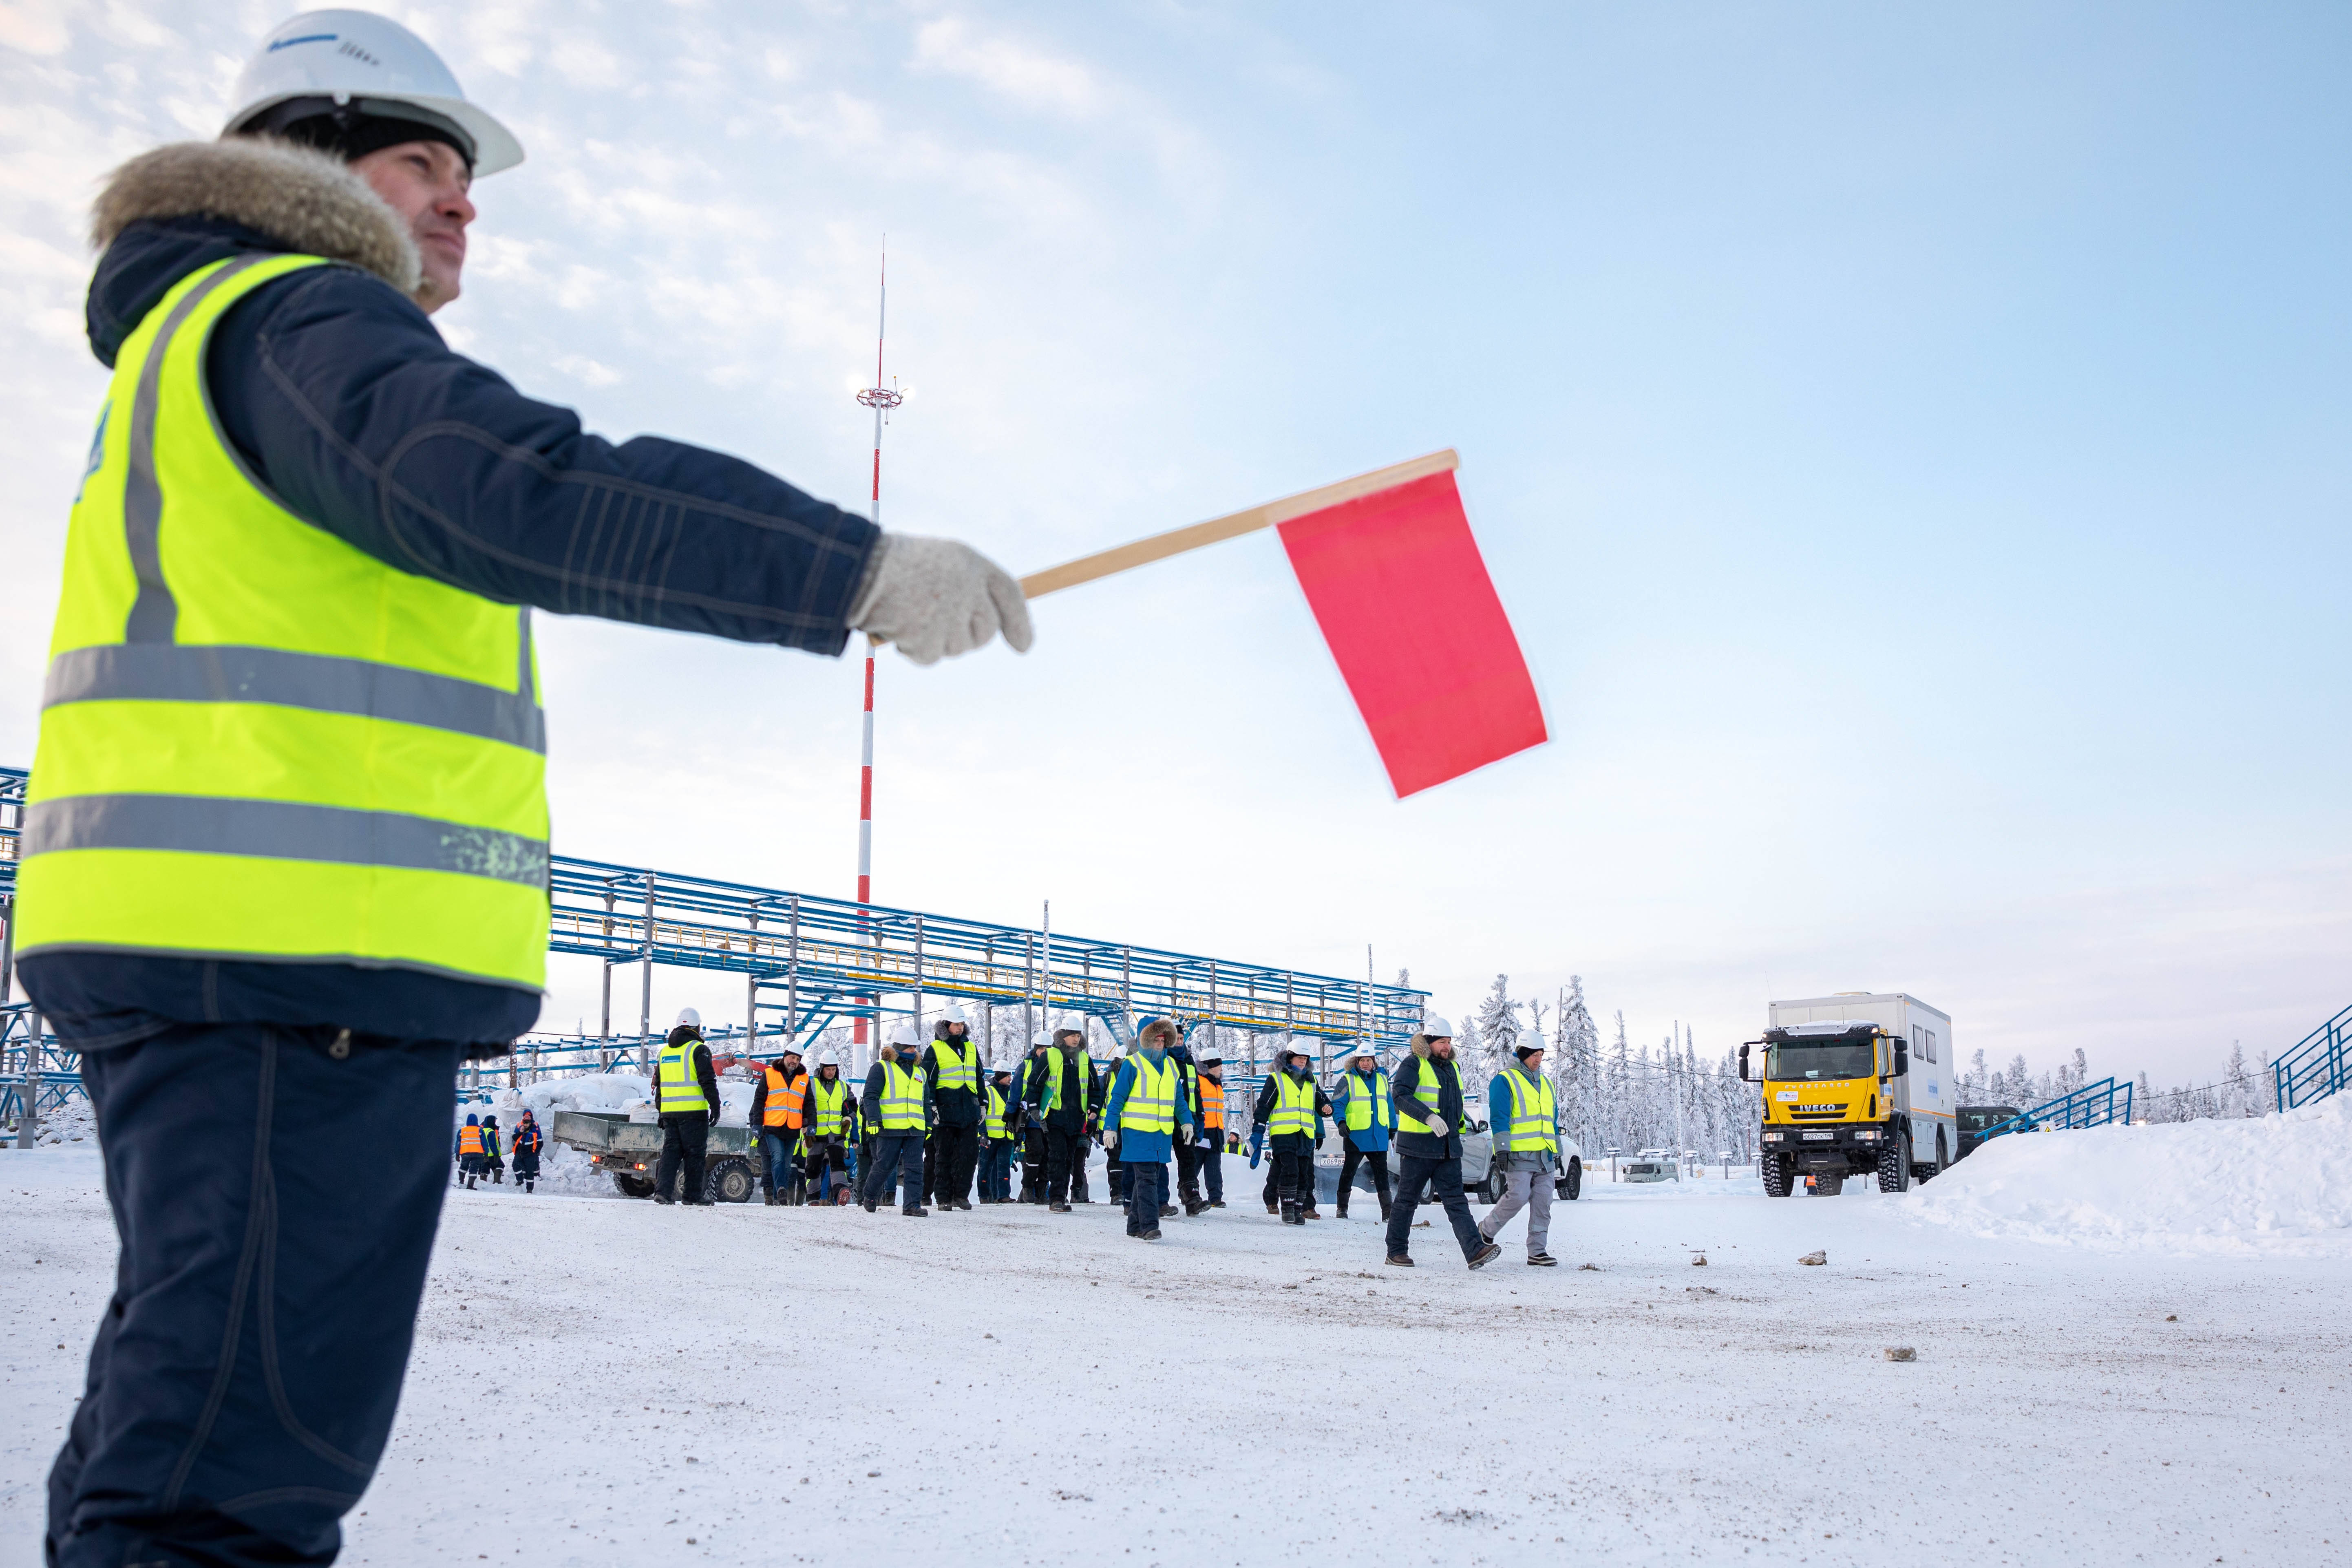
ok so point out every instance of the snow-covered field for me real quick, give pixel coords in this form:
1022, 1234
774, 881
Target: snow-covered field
599, 1381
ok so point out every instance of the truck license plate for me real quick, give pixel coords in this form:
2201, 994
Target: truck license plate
1819, 1137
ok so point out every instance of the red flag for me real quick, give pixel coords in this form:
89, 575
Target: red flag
1397, 584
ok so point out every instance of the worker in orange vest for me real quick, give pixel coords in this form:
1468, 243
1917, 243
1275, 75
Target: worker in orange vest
1209, 1127
469, 1150
778, 1110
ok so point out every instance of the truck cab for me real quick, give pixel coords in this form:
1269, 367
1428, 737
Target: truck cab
1837, 1104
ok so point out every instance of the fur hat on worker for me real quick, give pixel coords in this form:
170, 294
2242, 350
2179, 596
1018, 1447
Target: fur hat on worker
1160, 1029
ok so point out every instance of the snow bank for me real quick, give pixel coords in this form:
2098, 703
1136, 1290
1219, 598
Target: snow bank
2279, 1185
566, 1170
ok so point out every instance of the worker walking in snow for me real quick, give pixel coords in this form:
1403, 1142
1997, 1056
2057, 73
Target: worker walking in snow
1428, 1098
898, 1106
685, 1101
313, 533
1141, 1121
469, 1150
829, 1116
1367, 1116
1029, 1084
996, 1136
494, 1163
528, 1141
1208, 1142
1524, 1116
1066, 1097
1290, 1107
778, 1105
951, 1066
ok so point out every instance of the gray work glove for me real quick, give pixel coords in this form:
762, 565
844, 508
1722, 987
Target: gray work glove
935, 598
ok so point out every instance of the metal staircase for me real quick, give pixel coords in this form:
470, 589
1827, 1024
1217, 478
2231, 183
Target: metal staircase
2092, 1105
2315, 1066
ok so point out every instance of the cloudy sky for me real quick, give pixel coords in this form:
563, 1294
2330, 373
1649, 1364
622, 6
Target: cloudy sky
1911, 441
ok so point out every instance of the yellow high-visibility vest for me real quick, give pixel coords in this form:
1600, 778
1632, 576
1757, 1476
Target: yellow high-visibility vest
677, 1087
1535, 1122
1150, 1105
825, 1116
1294, 1106
993, 1124
902, 1100
959, 1064
258, 742
1368, 1101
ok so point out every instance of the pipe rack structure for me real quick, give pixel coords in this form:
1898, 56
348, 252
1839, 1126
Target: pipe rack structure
809, 962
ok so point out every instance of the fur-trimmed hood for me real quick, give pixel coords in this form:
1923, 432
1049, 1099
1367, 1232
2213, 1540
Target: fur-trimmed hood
1158, 1028
308, 199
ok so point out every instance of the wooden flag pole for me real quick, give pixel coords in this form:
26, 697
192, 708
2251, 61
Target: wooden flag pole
1176, 542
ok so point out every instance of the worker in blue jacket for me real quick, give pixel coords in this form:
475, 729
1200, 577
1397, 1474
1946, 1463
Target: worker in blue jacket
1523, 1113
1367, 1116
528, 1140
897, 1107
1143, 1118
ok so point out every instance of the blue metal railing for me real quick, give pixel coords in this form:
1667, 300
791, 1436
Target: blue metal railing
55, 1069
2092, 1105
2316, 1066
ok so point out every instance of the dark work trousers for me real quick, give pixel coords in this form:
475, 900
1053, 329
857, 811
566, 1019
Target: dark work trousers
687, 1133
996, 1170
931, 1153
1065, 1160
897, 1159
776, 1158
819, 1159
1213, 1169
1294, 1167
1115, 1177
1378, 1159
1188, 1171
1442, 1181
956, 1152
1147, 1189
245, 1374
1032, 1165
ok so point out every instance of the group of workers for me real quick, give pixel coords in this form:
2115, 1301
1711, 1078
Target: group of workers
934, 1121
479, 1154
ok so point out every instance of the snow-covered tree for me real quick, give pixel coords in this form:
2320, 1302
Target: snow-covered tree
1498, 1027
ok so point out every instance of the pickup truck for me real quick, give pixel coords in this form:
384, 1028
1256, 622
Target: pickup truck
626, 1148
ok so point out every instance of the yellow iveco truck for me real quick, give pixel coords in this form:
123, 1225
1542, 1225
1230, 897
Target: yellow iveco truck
1857, 1084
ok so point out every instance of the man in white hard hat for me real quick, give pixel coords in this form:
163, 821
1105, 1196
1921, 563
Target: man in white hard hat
999, 1132
1427, 1092
285, 854
686, 1100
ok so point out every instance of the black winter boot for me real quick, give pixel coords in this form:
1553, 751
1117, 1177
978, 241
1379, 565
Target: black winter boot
1195, 1207
915, 1211
1290, 1214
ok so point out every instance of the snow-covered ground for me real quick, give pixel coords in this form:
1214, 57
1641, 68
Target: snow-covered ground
599, 1381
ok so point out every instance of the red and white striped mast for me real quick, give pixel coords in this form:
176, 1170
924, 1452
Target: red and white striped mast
881, 399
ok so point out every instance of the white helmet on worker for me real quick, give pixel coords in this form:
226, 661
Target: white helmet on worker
1358, 1049
687, 1018
903, 1034
956, 1015
1436, 1028
353, 81
1075, 1022
828, 1058
1041, 1037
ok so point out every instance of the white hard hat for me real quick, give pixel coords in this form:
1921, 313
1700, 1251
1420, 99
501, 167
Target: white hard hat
687, 1018
1074, 1022
1041, 1037
903, 1034
373, 64
1436, 1028
1355, 1049
956, 1015
828, 1058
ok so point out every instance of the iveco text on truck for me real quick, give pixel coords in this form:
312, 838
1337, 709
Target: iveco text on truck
1855, 1084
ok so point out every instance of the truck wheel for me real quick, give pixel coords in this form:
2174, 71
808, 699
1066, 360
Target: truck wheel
633, 1187
1775, 1170
1828, 1183
1895, 1165
1575, 1183
730, 1181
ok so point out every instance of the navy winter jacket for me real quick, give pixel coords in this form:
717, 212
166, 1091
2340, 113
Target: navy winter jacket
348, 406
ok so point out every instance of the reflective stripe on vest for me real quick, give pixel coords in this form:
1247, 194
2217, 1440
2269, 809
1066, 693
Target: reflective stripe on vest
782, 1106
825, 1117
1294, 1106
1150, 1104
902, 1100
993, 1124
257, 740
1367, 1100
676, 1087
1535, 1127
469, 1141
959, 1064
1425, 1089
